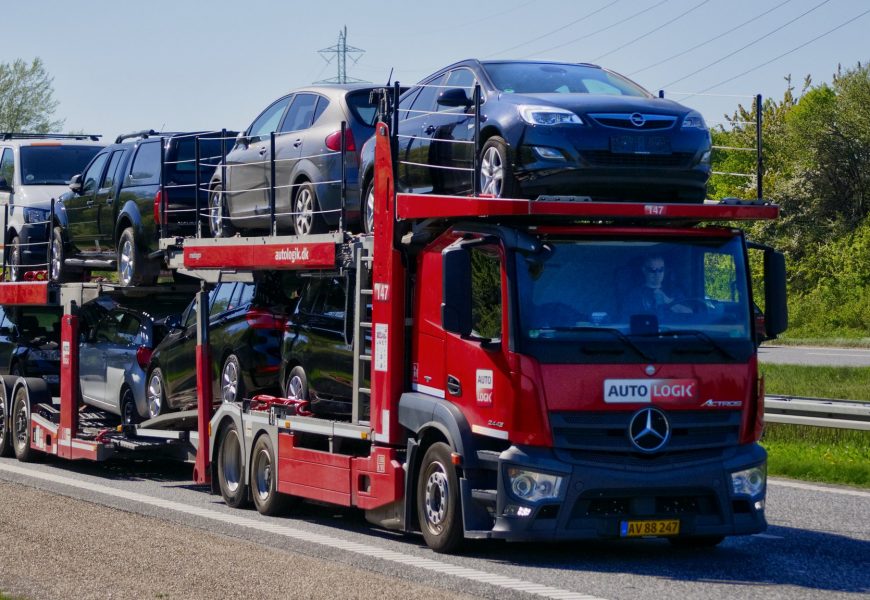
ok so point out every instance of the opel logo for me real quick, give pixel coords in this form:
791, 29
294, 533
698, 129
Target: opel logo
649, 430
637, 120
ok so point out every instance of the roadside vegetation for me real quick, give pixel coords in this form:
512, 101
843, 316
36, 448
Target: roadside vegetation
845, 383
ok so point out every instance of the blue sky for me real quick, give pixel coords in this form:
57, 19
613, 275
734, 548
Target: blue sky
124, 65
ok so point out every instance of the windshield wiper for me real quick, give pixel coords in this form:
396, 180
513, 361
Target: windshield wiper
695, 332
614, 332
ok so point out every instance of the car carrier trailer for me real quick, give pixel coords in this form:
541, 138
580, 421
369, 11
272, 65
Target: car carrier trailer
477, 413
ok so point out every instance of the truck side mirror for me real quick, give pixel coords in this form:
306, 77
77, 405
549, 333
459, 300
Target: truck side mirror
456, 290
775, 301
75, 184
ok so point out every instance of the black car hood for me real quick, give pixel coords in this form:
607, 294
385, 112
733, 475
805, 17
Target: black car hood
595, 103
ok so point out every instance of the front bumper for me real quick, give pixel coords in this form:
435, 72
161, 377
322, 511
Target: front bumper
597, 496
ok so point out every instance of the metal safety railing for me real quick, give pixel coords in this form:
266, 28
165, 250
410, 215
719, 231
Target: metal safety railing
14, 267
817, 412
209, 201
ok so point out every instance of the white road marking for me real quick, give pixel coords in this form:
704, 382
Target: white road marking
818, 488
851, 354
502, 581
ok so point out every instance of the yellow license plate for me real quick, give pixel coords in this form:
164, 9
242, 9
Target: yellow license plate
645, 528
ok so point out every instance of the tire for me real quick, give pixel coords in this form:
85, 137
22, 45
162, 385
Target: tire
129, 414
296, 385
306, 221
438, 504
218, 217
56, 270
155, 394
496, 174
231, 468
133, 267
232, 383
16, 371
21, 428
5, 429
14, 262
264, 480
697, 542
367, 208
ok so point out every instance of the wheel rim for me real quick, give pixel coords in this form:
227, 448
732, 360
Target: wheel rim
294, 387
155, 396
370, 210
304, 210
128, 409
126, 262
436, 500
55, 259
263, 474
14, 262
21, 429
2, 421
491, 172
215, 220
229, 382
231, 461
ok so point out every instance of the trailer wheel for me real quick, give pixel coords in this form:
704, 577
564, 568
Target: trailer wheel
231, 469
264, 479
438, 500
5, 427
697, 541
21, 427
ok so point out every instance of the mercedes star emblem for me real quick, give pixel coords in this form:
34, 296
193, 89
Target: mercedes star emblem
649, 430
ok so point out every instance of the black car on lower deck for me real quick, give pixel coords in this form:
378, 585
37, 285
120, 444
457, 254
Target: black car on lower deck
29, 343
546, 128
246, 322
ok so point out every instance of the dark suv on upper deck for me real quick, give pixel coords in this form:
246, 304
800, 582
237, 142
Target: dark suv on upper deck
110, 217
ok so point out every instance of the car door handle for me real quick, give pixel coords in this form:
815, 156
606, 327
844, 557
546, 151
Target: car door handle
430, 130
297, 143
262, 150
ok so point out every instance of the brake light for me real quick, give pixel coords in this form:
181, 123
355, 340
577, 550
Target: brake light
261, 319
158, 207
333, 141
143, 356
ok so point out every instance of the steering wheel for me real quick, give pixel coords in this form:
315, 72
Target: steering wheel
694, 304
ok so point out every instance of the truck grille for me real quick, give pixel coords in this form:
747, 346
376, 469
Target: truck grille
607, 432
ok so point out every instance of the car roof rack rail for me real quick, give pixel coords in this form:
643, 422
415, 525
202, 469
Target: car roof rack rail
145, 133
17, 135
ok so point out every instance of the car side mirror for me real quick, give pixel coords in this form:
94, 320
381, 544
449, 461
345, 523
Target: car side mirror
4, 185
75, 184
173, 322
242, 139
454, 97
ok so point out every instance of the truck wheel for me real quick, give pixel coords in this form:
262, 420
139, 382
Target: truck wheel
264, 479
697, 541
155, 394
21, 428
14, 262
5, 433
218, 217
231, 470
232, 385
438, 507
306, 219
133, 267
496, 174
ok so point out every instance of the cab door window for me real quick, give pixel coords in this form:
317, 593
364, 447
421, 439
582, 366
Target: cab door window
7, 167
486, 292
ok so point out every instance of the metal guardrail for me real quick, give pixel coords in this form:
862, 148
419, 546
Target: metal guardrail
817, 412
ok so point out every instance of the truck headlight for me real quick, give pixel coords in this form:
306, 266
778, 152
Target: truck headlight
750, 482
36, 215
532, 486
548, 115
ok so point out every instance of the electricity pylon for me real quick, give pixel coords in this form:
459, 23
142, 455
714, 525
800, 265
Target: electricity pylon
341, 50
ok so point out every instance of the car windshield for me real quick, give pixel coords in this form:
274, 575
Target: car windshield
53, 164
549, 78
643, 291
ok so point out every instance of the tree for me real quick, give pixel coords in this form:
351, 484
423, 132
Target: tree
27, 98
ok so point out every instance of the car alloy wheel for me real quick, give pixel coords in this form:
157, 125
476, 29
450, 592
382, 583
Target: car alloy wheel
492, 172
155, 395
229, 381
127, 262
296, 387
303, 210
15, 259
370, 209
56, 265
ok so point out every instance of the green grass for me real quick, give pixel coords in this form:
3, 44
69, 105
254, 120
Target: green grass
847, 383
818, 454
829, 342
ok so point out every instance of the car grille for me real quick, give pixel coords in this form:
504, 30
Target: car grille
623, 121
609, 159
607, 432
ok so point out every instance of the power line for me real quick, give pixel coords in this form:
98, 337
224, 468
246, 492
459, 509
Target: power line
711, 40
489, 17
795, 49
549, 33
652, 31
752, 43
596, 32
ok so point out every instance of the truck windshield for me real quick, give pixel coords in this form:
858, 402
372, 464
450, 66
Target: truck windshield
53, 164
646, 297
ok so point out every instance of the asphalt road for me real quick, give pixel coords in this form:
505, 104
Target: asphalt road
804, 355
178, 537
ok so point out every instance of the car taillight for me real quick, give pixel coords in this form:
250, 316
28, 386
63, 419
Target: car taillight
260, 319
143, 356
158, 207
333, 141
